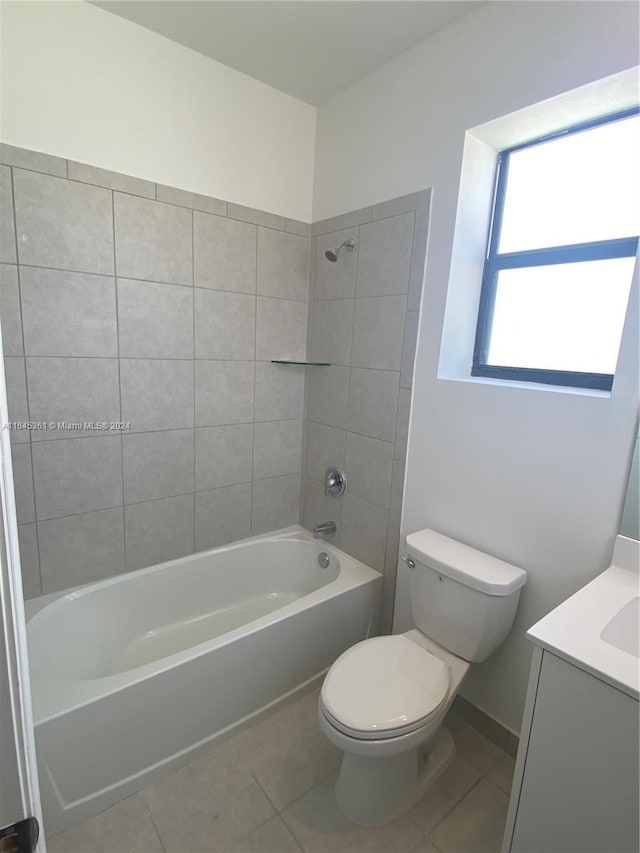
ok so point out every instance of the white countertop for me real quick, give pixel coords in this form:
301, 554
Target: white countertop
573, 630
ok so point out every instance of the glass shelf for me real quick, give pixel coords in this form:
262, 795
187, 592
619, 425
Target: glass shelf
301, 362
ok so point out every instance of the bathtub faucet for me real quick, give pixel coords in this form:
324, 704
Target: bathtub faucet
324, 529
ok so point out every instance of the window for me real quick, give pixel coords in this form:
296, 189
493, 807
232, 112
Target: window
564, 234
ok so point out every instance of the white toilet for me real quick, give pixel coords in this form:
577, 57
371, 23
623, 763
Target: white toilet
383, 700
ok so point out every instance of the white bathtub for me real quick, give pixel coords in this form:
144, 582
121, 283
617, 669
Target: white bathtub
133, 674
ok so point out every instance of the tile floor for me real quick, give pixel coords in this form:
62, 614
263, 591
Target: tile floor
270, 790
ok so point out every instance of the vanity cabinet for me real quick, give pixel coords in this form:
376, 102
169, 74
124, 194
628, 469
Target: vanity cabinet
575, 787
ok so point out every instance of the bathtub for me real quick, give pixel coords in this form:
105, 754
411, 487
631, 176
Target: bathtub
132, 675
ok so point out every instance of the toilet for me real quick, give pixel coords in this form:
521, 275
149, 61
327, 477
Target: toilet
384, 699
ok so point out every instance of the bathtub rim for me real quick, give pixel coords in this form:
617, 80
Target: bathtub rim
33, 606
54, 697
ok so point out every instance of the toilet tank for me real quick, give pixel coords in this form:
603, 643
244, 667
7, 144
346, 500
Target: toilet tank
462, 598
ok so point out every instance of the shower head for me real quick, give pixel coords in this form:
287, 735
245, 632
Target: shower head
333, 254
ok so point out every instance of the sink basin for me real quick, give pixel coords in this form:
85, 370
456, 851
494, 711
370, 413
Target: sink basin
623, 629
598, 627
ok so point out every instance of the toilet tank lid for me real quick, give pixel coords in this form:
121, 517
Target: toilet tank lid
464, 564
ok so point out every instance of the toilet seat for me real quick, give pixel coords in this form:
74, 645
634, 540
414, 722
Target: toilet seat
384, 687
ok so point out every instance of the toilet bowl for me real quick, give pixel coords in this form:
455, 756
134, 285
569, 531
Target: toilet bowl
383, 700
394, 743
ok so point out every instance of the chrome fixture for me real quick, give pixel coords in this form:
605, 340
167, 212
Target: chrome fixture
335, 482
410, 563
323, 560
325, 528
333, 254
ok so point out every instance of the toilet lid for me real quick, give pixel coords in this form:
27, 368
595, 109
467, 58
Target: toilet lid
383, 685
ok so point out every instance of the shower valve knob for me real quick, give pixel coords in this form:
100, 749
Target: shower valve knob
335, 482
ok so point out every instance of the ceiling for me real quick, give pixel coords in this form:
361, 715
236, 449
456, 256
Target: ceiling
310, 49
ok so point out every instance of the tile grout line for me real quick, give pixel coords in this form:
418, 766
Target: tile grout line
255, 361
372, 218
9, 165
165, 358
481, 777
169, 497
321, 781
226, 203
291, 834
407, 312
155, 827
305, 381
412, 209
255, 223
418, 267
115, 433
276, 810
307, 355
452, 809
108, 509
359, 497
364, 298
425, 838
26, 387
115, 287
345, 430
193, 338
395, 431
346, 415
154, 280
124, 192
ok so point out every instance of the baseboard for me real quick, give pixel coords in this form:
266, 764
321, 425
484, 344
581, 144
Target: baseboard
486, 725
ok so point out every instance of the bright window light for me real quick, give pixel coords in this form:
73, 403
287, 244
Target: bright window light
581, 331
575, 189
564, 237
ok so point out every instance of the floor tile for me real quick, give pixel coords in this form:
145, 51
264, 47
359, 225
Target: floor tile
502, 772
476, 825
224, 801
272, 837
476, 749
320, 827
125, 828
287, 753
447, 791
425, 847
208, 805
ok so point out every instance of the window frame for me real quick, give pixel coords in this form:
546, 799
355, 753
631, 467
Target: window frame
623, 247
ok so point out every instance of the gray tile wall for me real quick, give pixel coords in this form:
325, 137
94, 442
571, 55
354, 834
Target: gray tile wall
123, 300
364, 320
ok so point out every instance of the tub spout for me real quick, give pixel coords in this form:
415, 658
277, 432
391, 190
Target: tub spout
324, 529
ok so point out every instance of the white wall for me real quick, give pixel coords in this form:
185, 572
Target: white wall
82, 83
534, 476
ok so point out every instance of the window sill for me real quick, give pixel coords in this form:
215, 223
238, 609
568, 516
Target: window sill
529, 386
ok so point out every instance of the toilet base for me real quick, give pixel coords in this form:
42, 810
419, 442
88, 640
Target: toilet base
372, 791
